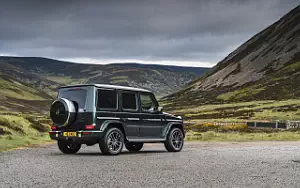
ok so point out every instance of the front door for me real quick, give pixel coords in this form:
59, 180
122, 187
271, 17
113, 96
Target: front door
152, 120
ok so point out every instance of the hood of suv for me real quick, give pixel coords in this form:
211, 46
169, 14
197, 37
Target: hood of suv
171, 116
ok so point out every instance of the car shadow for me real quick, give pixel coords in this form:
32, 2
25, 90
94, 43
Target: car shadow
99, 153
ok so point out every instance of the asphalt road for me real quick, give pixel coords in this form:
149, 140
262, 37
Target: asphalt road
260, 164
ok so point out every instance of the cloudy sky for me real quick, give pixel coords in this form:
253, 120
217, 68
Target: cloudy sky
179, 32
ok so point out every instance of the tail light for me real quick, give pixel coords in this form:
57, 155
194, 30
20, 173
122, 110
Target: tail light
53, 128
89, 127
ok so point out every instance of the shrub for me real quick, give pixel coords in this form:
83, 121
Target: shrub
4, 131
36, 124
12, 125
40, 127
237, 127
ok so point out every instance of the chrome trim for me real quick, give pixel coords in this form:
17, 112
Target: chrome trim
115, 118
77, 131
132, 112
176, 120
152, 119
133, 119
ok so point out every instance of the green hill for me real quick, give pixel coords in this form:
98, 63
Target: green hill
266, 67
29, 83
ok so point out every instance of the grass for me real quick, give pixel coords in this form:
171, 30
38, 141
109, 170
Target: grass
67, 80
19, 130
243, 137
269, 110
238, 94
291, 68
18, 90
8, 142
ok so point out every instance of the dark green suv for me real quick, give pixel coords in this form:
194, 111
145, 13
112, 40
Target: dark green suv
112, 116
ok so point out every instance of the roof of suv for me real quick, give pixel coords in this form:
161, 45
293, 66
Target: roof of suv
109, 86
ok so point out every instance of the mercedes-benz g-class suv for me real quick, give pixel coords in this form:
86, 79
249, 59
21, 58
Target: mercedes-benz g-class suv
112, 116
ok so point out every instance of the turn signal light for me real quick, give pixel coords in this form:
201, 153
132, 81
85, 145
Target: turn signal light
89, 127
53, 128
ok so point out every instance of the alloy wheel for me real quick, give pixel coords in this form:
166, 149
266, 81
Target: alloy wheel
177, 139
114, 141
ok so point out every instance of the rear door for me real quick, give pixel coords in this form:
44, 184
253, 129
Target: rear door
152, 120
78, 95
106, 105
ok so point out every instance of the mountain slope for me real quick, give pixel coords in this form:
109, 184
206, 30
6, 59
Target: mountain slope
25, 80
265, 67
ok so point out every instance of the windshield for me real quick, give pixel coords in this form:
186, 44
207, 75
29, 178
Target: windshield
75, 95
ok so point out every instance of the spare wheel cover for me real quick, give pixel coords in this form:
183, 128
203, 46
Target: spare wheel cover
62, 111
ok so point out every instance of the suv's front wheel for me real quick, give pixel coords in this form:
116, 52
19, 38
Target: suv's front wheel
112, 142
134, 146
175, 140
67, 147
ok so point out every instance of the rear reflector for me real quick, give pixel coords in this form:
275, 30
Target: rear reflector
53, 127
51, 132
86, 133
89, 127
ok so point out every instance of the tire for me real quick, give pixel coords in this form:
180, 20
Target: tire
134, 146
175, 140
112, 142
68, 148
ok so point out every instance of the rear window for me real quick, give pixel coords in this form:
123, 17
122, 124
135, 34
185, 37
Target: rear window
75, 95
107, 99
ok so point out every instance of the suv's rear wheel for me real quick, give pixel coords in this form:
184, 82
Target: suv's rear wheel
67, 147
175, 140
112, 142
134, 146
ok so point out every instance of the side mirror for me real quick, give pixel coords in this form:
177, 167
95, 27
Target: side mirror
160, 109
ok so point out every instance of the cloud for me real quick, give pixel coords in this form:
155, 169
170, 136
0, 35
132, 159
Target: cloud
165, 31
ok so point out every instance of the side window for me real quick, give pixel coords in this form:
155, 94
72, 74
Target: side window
129, 101
147, 103
107, 99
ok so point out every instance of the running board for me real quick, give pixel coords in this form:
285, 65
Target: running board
147, 140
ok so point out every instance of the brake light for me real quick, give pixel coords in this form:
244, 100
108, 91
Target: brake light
89, 127
53, 128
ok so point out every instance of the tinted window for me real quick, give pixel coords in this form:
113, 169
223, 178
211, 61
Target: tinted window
129, 101
107, 99
76, 95
147, 102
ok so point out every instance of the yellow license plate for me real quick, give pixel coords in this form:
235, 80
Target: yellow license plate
69, 134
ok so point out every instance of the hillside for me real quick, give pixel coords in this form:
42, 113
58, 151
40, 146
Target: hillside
266, 67
29, 83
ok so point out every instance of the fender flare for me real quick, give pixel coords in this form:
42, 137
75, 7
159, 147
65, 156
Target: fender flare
106, 123
170, 125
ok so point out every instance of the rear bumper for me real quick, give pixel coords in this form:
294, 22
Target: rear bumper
82, 137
